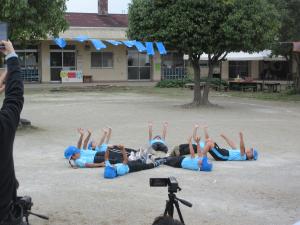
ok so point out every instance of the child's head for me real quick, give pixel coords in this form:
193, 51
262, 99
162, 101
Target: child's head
72, 153
251, 154
204, 165
157, 137
92, 145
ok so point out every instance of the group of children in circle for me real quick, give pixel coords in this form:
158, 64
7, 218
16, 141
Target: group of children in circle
119, 160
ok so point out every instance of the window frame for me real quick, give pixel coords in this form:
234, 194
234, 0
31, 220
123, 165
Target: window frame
101, 65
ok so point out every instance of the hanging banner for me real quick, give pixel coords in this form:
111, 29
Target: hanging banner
71, 76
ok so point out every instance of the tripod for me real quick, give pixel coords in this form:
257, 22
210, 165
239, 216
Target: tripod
173, 200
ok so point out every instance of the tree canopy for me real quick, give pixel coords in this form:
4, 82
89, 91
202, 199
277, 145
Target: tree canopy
33, 19
289, 32
215, 27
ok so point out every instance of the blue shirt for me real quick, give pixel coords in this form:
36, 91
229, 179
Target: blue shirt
202, 144
190, 163
102, 148
153, 141
235, 155
86, 156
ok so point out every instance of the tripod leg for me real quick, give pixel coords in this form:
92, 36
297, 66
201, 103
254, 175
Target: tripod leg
169, 209
178, 211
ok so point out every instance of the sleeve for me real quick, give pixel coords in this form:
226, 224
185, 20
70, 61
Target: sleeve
14, 100
80, 163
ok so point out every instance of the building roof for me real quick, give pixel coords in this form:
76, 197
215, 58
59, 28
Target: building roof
96, 20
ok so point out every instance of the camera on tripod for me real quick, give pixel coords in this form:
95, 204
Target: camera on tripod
173, 187
171, 182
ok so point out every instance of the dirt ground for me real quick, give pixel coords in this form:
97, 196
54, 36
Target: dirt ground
265, 192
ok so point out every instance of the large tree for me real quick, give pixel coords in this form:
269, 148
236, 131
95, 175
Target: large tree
33, 19
214, 27
289, 32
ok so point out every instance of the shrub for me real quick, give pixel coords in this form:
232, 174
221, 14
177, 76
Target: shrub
181, 83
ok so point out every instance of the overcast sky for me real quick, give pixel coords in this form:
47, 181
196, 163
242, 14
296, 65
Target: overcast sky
91, 6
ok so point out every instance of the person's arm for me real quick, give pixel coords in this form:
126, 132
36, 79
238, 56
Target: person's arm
165, 127
108, 135
14, 90
86, 140
199, 151
81, 132
195, 131
125, 157
94, 165
205, 129
242, 144
229, 142
192, 152
150, 125
106, 156
102, 139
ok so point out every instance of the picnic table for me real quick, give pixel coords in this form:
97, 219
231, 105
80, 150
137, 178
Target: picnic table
246, 85
273, 86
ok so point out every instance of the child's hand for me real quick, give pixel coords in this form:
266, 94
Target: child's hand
81, 131
166, 124
196, 125
241, 134
198, 139
121, 147
150, 124
89, 131
104, 130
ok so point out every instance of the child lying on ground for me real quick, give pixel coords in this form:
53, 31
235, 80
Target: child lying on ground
233, 153
158, 143
111, 171
199, 163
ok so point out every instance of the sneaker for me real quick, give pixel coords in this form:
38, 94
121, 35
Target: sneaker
160, 162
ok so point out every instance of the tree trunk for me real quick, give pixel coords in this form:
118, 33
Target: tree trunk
197, 88
297, 80
205, 100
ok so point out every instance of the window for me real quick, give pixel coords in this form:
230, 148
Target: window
238, 68
102, 59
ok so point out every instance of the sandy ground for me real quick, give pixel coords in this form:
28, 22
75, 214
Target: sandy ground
266, 192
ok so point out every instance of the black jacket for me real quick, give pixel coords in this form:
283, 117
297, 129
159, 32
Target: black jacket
9, 120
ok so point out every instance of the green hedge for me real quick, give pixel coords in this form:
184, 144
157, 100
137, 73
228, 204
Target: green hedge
173, 83
181, 83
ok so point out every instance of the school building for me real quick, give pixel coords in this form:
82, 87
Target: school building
96, 45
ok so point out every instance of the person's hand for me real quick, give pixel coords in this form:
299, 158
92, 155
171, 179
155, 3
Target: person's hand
121, 147
8, 47
196, 125
89, 131
166, 124
222, 135
150, 124
2, 79
104, 130
80, 131
198, 139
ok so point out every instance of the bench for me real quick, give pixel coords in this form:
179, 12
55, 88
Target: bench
87, 78
253, 88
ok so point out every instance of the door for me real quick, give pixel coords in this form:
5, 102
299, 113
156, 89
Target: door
61, 60
139, 66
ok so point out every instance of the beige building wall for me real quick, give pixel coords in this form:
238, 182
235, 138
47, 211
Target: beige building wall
118, 72
225, 70
254, 71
